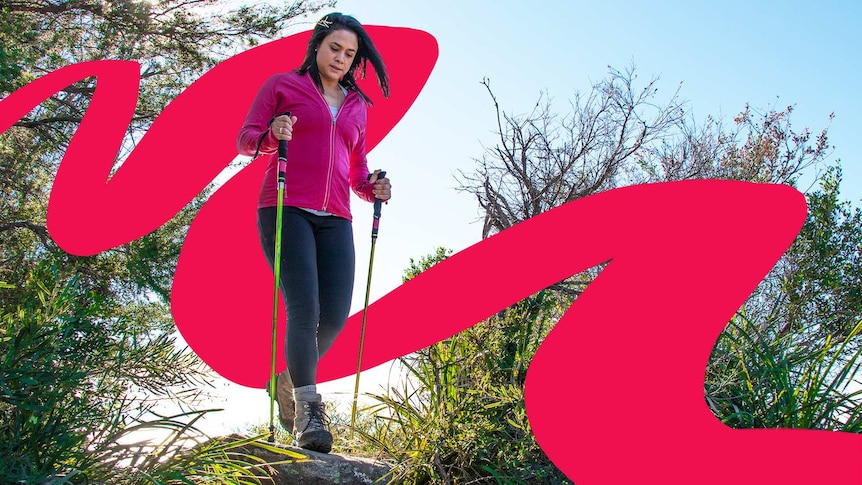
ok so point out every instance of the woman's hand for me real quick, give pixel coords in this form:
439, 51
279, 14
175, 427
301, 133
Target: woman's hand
282, 127
382, 187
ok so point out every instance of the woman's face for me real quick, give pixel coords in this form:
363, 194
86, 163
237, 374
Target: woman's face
335, 55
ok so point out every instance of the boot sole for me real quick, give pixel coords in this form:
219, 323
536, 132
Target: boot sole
318, 440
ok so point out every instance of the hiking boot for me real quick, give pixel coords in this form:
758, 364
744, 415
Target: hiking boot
284, 399
311, 423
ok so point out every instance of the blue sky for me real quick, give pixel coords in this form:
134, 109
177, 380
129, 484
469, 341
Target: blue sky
724, 54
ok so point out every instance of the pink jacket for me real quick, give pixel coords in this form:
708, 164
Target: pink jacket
325, 157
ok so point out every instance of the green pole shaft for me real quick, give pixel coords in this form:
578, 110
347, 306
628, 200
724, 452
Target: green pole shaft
282, 169
361, 341
277, 270
378, 204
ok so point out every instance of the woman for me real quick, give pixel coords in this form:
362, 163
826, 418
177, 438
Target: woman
326, 130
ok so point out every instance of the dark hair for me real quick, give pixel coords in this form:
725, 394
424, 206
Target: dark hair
365, 53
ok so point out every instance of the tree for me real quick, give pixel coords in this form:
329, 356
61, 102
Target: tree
803, 319
761, 146
789, 356
175, 41
822, 271
620, 134
543, 160
87, 343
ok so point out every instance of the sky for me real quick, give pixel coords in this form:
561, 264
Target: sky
720, 55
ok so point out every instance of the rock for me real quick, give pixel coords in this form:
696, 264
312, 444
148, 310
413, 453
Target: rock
319, 468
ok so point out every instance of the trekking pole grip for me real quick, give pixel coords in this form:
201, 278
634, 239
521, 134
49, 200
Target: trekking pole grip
378, 204
282, 155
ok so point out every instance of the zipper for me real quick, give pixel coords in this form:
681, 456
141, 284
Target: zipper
328, 192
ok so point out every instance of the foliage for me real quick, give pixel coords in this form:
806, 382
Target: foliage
459, 417
88, 347
757, 381
68, 411
424, 262
760, 146
543, 160
822, 272
622, 133
789, 357
175, 41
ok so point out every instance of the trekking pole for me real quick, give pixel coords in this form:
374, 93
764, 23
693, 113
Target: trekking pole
374, 226
282, 169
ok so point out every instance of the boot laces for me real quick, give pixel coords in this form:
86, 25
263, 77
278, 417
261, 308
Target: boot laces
317, 418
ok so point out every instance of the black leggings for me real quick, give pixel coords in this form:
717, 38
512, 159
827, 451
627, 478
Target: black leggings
316, 281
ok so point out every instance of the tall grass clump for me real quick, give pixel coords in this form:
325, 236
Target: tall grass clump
79, 393
757, 380
459, 416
